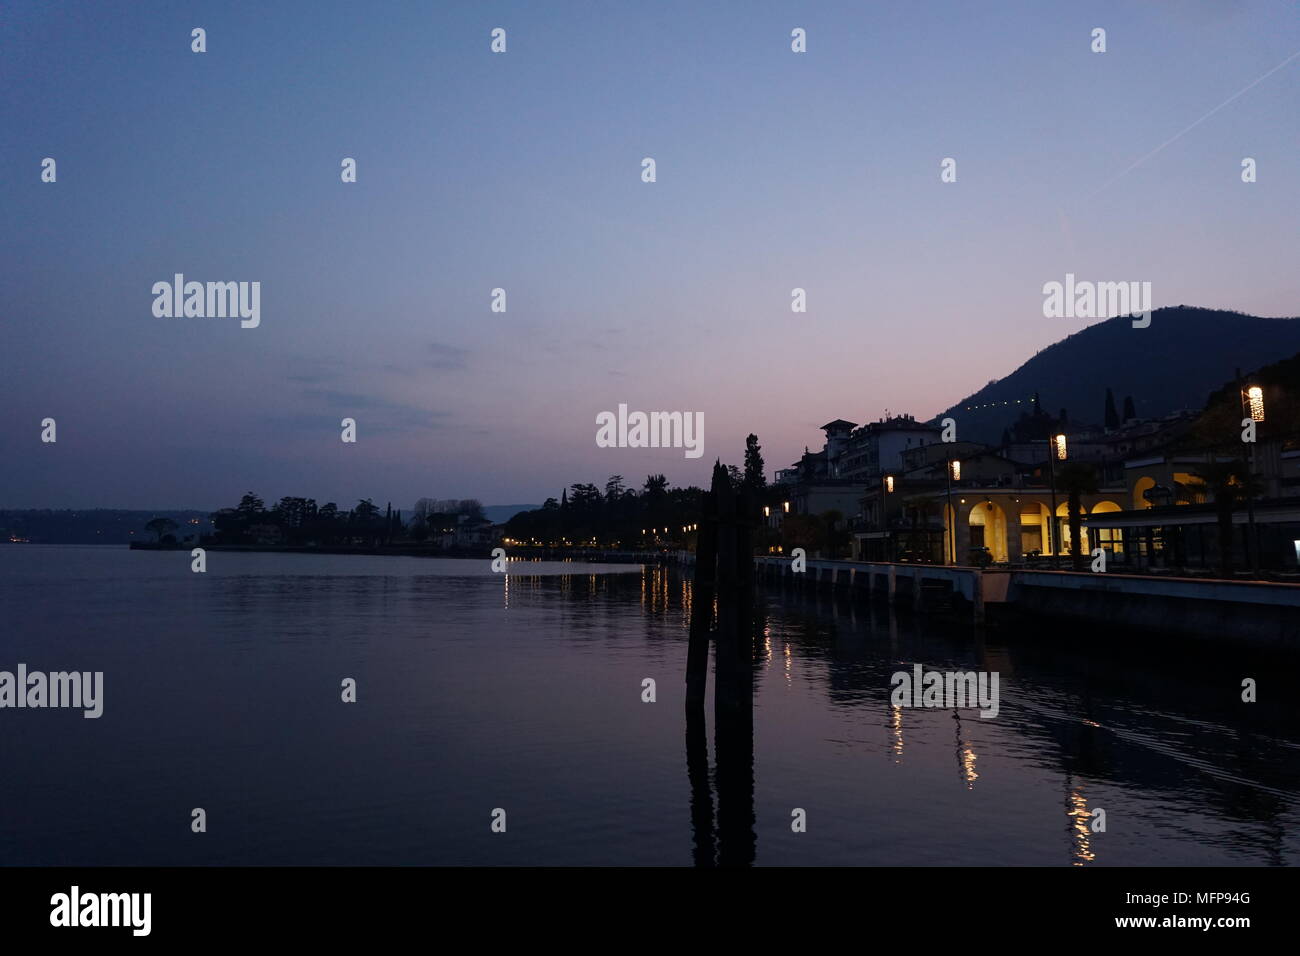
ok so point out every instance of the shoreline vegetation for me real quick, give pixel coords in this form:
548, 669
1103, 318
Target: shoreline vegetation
522, 553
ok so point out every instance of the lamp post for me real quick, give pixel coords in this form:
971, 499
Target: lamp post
951, 473
887, 486
1055, 449
1252, 404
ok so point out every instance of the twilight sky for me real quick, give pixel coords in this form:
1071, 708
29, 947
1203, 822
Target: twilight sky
523, 171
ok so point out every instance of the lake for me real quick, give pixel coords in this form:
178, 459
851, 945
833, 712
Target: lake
524, 693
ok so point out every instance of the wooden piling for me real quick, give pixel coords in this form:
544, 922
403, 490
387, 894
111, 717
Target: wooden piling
702, 595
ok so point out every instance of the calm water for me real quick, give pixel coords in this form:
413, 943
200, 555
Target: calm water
222, 691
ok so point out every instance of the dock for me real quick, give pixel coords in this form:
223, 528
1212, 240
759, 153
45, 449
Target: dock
1255, 613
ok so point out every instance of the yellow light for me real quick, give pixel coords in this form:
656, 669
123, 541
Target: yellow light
767, 511
956, 471
786, 505
889, 483
1060, 447
1256, 396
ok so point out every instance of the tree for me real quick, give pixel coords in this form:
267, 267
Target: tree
802, 531
227, 524
1076, 479
614, 488
471, 508
836, 536
1230, 482
295, 512
754, 479
1112, 416
160, 527
251, 508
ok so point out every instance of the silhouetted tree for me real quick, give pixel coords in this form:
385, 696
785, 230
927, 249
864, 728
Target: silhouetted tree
1112, 415
160, 527
1230, 482
250, 509
754, 479
1076, 479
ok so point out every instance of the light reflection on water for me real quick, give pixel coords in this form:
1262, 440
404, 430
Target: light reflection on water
523, 691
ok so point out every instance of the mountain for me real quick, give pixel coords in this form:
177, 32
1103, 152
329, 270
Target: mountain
500, 514
1184, 355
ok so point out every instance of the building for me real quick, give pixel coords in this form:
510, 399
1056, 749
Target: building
814, 483
878, 447
991, 503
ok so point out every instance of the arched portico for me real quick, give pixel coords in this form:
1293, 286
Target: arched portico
1143, 484
988, 527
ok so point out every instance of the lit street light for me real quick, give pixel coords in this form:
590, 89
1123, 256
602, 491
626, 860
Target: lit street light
951, 473
1252, 403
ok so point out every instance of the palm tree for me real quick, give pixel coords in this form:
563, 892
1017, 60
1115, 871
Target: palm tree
1230, 482
1076, 479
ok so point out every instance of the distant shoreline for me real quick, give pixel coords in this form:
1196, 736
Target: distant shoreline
588, 555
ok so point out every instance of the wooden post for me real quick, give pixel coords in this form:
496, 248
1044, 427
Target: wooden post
724, 567
725, 648
706, 560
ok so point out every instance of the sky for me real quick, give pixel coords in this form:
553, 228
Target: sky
522, 170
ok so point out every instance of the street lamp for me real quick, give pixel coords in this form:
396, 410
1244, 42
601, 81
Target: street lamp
1054, 452
887, 482
1253, 398
1252, 403
951, 473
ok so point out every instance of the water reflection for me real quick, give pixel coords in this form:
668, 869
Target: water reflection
523, 690
1140, 726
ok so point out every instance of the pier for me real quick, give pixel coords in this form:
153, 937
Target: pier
1257, 613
